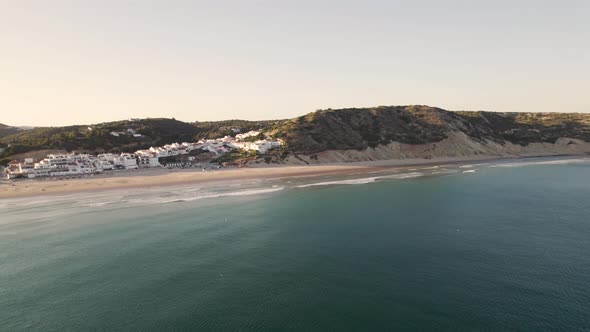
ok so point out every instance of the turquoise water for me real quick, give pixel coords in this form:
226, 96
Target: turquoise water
501, 247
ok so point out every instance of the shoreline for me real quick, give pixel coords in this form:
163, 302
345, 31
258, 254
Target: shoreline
161, 178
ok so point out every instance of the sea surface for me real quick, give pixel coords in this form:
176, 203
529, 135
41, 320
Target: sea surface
496, 246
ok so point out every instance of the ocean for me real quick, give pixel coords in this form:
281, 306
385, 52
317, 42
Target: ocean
493, 246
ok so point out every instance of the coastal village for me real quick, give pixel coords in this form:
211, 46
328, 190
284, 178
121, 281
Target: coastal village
74, 164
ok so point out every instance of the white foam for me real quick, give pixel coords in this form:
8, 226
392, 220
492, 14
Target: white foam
330, 183
403, 176
227, 194
432, 167
363, 180
543, 162
470, 171
99, 204
473, 165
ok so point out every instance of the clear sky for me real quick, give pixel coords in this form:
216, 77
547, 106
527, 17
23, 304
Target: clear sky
75, 62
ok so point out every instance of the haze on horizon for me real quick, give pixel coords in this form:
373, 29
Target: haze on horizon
74, 62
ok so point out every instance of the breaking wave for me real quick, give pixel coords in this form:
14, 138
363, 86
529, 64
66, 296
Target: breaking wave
330, 183
403, 176
543, 162
100, 204
227, 194
473, 165
362, 180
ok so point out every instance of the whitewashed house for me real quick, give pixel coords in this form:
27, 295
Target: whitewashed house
148, 162
240, 137
126, 161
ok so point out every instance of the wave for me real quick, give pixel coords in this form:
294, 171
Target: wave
363, 180
473, 165
154, 197
432, 167
543, 162
227, 194
403, 176
470, 171
100, 204
330, 183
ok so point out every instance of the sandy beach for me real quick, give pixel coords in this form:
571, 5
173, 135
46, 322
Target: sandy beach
153, 178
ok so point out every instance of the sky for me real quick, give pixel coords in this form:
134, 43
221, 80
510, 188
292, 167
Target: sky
82, 62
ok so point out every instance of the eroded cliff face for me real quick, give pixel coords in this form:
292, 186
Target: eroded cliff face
456, 145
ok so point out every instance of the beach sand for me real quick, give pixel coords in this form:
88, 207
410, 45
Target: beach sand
153, 178
160, 178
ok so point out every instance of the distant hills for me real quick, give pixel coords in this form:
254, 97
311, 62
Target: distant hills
354, 129
7, 130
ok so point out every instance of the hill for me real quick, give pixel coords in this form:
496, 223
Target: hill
402, 132
7, 130
334, 135
213, 129
361, 128
99, 138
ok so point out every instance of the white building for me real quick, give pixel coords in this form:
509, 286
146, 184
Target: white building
126, 161
148, 162
240, 137
261, 146
105, 165
55, 165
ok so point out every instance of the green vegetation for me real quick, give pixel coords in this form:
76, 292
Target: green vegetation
98, 138
214, 129
7, 130
360, 128
351, 128
355, 128
235, 156
255, 138
525, 128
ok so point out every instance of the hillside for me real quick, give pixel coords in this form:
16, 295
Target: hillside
98, 138
360, 128
386, 132
424, 132
7, 130
212, 129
